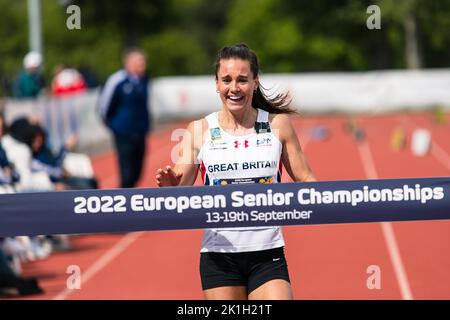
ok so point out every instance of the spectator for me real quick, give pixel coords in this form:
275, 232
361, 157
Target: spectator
67, 81
10, 281
30, 80
8, 174
53, 164
123, 106
11, 250
16, 145
41, 161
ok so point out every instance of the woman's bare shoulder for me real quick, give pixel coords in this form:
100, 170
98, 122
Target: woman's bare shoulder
196, 131
279, 121
198, 126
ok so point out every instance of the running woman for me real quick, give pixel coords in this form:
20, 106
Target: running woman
247, 141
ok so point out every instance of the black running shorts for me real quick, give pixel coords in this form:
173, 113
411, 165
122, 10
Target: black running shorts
249, 269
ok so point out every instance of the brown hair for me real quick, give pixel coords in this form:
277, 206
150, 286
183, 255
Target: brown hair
277, 104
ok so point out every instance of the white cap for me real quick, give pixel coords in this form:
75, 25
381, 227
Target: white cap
421, 142
67, 77
33, 59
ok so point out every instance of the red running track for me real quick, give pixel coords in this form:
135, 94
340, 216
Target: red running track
325, 261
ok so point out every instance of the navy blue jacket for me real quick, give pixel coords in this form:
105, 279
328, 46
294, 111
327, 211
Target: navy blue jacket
4, 163
45, 160
123, 104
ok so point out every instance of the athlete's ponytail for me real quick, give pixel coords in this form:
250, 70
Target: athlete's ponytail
277, 104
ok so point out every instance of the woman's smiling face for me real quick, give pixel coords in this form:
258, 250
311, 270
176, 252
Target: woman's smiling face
236, 84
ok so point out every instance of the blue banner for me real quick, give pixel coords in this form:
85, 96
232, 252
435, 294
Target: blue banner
123, 210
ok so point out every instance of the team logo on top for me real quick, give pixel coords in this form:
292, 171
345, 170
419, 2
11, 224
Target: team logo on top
237, 144
217, 145
264, 142
215, 134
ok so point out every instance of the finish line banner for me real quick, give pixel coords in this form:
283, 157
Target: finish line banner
123, 210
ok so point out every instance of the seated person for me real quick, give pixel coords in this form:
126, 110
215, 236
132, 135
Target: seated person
15, 141
11, 284
12, 250
8, 175
53, 164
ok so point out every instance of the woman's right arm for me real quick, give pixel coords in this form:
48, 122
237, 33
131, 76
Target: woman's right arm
185, 171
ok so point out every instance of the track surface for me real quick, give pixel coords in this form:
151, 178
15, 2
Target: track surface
325, 261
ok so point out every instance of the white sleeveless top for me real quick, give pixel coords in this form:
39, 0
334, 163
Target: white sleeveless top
251, 158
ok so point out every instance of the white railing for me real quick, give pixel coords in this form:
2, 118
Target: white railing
178, 97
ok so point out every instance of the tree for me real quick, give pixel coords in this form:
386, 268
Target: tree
182, 37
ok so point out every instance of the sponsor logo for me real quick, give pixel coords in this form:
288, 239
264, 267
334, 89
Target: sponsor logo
217, 145
264, 142
265, 180
215, 134
237, 144
220, 182
243, 180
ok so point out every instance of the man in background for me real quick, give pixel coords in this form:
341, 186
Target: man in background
123, 106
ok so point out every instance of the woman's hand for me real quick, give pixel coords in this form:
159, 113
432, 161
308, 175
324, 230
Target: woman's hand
168, 177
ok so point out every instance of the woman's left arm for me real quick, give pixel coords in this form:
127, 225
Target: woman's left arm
292, 155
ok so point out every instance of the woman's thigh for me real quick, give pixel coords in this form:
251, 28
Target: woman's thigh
226, 293
277, 289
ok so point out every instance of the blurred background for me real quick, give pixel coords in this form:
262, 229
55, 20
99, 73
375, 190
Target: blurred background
373, 82
302, 39
182, 37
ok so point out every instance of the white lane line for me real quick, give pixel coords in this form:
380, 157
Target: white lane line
396, 259
388, 232
102, 262
367, 160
